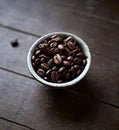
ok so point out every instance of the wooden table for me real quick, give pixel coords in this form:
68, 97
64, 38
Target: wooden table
93, 103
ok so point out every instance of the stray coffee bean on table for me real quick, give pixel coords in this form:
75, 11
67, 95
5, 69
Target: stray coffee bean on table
59, 59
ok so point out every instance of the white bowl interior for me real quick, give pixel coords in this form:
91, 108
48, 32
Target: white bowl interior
66, 84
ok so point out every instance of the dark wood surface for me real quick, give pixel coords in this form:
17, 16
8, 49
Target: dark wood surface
91, 104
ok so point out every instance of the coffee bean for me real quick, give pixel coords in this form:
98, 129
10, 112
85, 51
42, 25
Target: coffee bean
53, 44
36, 48
54, 36
37, 61
67, 50
60, 46
42, 45
42, 60
60, 81
74, 75
61, 70
48, 73
33, 58
67, 76
46, 78
79, 72
55, 68
76, 67
72, 69
54, 76
57, 39
70, 58
57, 59
66, 63
44, 56
80, 54
69, 39
34, 66
14, 42
77, 61
37, 53
64, 72
41, 72
52, 49
71, 45
44, 66
50, 62
56, 50
63, 57
84, 62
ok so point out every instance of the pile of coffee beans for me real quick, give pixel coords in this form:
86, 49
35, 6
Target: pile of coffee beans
58, 59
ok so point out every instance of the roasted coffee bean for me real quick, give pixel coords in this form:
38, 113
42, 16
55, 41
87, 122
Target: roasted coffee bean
64, 57
73, 52
42, 45
36, 48
46, 78
74, 75
50, 62
60, 46
81, 67
55, 68
54, 76
42, 60
80, 54
48, 73
44, 56
37, 61
50, 41
69, 39
53, 44
60, 81
66, 63
70, 58
62, 69
64, 72
57, 39
14, 42
47, 51
84, 62
79, 72
77, 61
67, 50
57, 59
34, 66
37, 53
67, 75
33, 58
41, 72
54, 36
71, 45
56, 51
44, 66
51, 50
72, 69
76, 67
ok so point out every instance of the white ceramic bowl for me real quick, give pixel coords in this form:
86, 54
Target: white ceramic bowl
66, 84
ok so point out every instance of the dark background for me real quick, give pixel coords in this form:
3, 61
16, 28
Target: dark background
93, 103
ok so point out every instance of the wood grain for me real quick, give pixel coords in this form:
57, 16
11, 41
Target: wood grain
104, 9
102, 76
44, 17
5, 125
27, 102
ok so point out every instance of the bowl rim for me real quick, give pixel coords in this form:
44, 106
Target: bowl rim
84, 47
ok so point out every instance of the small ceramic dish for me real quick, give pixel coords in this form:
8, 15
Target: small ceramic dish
84, 47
